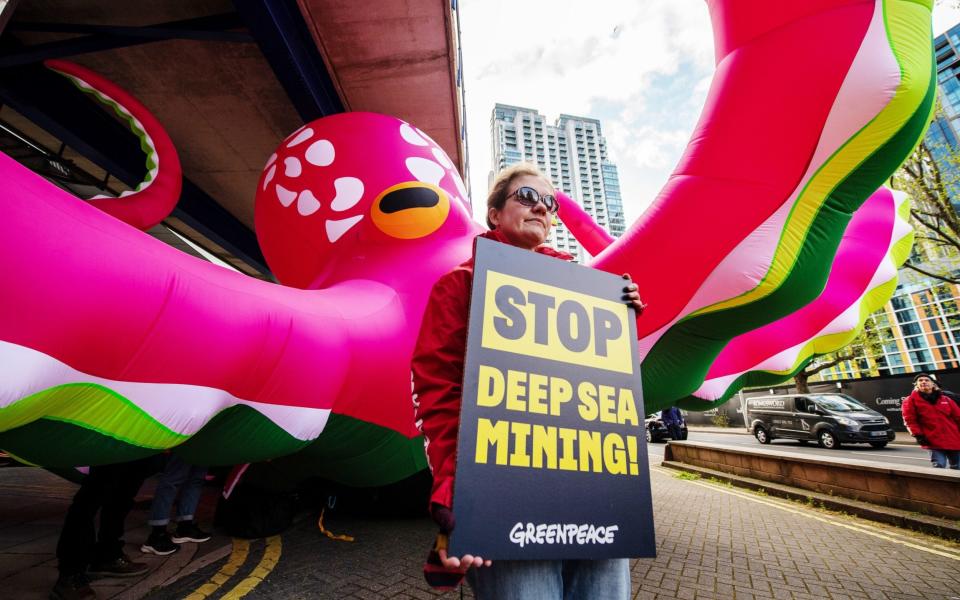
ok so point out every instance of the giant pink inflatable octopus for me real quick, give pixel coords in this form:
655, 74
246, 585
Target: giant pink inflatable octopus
767, 246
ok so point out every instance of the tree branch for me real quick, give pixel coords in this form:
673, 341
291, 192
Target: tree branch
942, 235
942, 277
836, 361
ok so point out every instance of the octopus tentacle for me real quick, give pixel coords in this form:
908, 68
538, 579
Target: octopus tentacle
591, 236
112, 333
156, 196
862, 279
756, 224
116, 363
868, 105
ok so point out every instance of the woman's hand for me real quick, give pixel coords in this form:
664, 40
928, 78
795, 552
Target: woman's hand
445, 520
463, 563
631, 295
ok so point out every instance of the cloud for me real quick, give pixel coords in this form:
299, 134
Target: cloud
638, 67
945, 16
642, 68
648, 147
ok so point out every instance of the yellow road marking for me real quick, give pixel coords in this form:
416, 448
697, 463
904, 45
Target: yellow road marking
271, 555
239, 555
944, 551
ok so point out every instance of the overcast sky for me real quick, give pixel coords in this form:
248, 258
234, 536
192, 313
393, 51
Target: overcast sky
641, 68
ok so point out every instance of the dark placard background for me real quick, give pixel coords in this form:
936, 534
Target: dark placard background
489, 499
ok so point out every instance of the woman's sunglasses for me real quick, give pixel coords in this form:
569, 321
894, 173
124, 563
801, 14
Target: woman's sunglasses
528, 196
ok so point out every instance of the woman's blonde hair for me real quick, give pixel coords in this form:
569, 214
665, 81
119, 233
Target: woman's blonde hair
498, 192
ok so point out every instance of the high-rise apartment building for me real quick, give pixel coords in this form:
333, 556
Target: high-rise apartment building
944, 133
572, 153
918, 330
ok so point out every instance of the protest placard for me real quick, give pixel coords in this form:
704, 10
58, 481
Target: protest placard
551, 456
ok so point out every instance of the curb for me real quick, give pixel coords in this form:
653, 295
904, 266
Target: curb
900, 441
176, 567
155, 579
943, 528
734, 430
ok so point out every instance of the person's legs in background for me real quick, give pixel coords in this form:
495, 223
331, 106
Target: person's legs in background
187, 529
953, 457
674, 430
109, 489
938, 458
175, 472
78, 537
108, 556
184, 482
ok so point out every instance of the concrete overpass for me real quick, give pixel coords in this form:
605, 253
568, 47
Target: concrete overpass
228, 79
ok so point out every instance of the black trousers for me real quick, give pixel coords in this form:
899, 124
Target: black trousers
674, 430
109, 489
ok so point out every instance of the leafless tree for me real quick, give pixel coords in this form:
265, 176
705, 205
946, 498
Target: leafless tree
933, 216
867, 343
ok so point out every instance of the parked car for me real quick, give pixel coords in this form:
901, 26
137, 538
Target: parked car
657, 431
828, 419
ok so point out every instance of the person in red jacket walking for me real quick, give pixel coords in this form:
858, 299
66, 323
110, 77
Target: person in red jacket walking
934, 419
520, 211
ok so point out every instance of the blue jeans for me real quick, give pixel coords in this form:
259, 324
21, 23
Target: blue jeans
675, 431
177, 475
552, 580
939, 458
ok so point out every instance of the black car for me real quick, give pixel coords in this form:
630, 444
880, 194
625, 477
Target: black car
828, 419
657, 431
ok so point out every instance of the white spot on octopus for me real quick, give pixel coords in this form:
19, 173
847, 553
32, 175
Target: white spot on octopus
441, 157
299, 136
411, 136
292, 167
425, 170
336, 229
286, 196
459, 183
349, 192
320, 153
270, 173
307, 203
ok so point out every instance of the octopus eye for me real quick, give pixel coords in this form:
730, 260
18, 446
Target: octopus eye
410, 210
410, 197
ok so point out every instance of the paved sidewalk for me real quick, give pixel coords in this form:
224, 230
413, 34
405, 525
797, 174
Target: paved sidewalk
713, 541
720, 542
33, 503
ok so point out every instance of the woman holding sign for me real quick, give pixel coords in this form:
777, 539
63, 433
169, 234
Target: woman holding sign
520, 211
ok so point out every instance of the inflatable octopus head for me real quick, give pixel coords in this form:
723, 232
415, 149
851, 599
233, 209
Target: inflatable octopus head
356, 188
